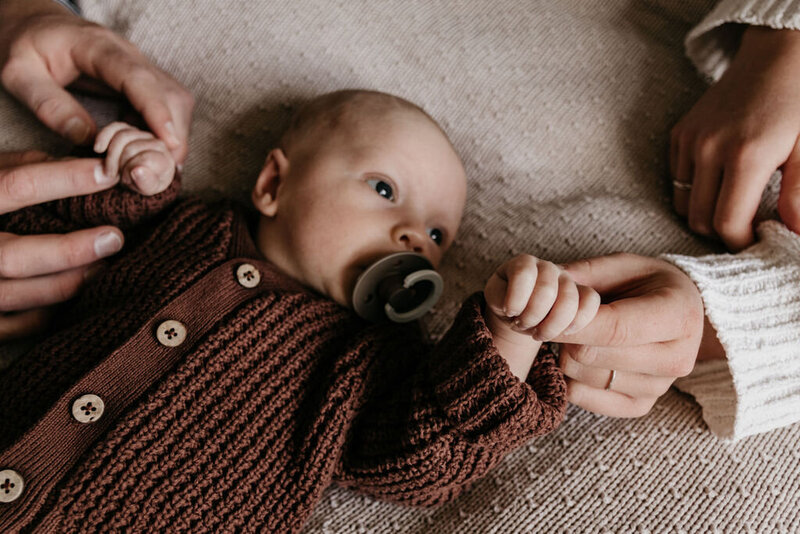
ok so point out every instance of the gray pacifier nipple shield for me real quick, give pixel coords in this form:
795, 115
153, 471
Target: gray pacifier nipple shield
401, 287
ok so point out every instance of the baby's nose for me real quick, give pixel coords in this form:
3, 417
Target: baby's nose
411, 239
412, 242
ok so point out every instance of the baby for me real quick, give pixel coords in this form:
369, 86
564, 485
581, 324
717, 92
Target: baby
225, 377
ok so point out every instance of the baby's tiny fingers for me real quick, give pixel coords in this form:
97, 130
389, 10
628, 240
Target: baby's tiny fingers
159, 157
563, 310
149, 172
104, 136
118, 143
589, 303
543, 296
495, 293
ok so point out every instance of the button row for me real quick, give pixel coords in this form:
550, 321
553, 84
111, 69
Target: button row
89, 408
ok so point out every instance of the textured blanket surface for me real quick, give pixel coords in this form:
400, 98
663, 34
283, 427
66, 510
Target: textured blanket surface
561, 112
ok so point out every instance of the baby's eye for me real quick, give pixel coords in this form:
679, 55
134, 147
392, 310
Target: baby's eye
436, 235
383, 188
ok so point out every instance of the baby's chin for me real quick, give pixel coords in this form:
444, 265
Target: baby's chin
339, 287
347, 282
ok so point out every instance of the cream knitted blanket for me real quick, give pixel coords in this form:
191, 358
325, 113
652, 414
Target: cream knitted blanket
561, 112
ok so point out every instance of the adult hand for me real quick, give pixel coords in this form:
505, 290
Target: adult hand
39, 270
44, 47
648, 330
741, 130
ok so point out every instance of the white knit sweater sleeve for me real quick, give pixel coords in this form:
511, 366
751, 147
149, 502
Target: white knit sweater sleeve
753, 301
712, 44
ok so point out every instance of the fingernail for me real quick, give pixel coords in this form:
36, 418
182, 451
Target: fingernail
172, 137
101, 177
76, 130
106, 244
144, 178
179, 166
535, 334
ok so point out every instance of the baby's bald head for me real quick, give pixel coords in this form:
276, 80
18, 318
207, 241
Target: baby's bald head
346, 111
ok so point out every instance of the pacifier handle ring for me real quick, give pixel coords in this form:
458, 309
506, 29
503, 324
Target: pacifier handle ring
418, 276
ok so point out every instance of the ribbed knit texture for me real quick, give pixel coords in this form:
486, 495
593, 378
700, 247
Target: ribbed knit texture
712, 44
561, 112
753, 302
282, 396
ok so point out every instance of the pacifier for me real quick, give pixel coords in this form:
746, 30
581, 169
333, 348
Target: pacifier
400, 287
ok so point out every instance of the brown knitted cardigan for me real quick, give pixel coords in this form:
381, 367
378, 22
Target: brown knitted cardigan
276, 392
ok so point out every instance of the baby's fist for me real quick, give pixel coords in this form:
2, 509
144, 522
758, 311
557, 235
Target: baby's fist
143, 162
538, 298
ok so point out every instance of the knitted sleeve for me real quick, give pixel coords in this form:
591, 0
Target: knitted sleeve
117, 206
753, 301
438, 418
712, 44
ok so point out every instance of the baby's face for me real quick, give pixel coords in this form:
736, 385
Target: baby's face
385, 186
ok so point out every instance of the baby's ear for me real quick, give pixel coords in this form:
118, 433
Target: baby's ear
265, 192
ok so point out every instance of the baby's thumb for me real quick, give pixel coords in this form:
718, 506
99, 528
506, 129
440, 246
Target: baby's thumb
495, 295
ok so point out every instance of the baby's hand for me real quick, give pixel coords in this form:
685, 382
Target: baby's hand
537, 298
143, 161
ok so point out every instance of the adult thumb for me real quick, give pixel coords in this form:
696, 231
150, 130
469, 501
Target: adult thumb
607, 273
789, 198
30, 81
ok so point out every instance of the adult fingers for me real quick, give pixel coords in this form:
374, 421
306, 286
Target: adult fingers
27, 77
650, 318
627, 382
39, 291
27, 185
169, 118
674, 149
34, 255
13, 159
669, 359
610, 403
163, 102
705, 189
606, 273
21, 324
743, 183
789, 198
684, 171
679, 168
